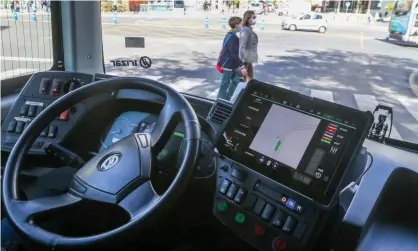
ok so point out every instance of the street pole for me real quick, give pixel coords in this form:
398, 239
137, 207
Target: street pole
369, 6
347, 4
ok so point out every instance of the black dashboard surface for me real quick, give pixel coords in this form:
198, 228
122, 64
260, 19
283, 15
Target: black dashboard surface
386, 158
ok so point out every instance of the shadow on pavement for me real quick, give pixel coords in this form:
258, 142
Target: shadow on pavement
335, 70
397, 42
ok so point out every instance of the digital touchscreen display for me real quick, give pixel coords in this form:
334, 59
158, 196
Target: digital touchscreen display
303, 143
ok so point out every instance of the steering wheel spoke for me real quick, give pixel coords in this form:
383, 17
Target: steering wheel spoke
165, 125
28, 209
140, 201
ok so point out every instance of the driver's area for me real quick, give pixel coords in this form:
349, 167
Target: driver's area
140, 174
93, 161
95, 164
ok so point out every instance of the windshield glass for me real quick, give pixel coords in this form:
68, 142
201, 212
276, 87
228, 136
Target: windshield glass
353, 64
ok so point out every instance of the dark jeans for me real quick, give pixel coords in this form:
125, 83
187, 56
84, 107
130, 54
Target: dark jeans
229, 82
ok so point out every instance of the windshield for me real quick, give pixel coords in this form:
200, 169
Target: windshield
351, 65
356, 63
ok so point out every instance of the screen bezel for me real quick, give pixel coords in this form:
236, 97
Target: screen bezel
363, 121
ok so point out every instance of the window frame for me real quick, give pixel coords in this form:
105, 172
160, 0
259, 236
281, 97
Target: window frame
13, 85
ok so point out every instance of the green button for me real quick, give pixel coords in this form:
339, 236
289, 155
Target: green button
240, 218
222, 206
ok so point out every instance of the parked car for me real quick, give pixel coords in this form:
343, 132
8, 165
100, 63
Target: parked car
256, 7
314, 22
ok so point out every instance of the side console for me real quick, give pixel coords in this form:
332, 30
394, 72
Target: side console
41, 90
266, 215
283, 158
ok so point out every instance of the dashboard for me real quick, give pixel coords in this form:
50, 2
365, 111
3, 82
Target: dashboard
285, 155
278, 159
41, 90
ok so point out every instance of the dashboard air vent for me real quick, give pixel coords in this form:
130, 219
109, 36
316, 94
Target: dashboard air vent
220, 112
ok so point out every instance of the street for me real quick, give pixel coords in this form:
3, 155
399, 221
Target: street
347, 65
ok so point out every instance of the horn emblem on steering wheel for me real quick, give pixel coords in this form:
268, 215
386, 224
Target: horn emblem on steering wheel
109, 162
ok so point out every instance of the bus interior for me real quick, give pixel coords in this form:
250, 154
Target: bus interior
276, 170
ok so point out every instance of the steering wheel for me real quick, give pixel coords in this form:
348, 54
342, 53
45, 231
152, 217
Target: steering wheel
120, 175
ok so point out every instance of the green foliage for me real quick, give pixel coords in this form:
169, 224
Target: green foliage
106, 6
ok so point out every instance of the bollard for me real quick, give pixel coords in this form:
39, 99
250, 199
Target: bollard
34, 16
115, 17
15, 17
206, 22
262, 25
224, 23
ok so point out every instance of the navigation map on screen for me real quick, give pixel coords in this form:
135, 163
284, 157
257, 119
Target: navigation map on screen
284, 135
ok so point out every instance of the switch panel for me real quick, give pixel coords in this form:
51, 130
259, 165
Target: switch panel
261, 212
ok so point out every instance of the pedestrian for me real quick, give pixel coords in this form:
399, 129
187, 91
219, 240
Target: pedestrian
229, 63
248, 43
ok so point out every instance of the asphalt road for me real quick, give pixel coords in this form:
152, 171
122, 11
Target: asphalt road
346, 65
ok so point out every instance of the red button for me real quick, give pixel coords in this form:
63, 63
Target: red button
64, 115
259, 231
280, 245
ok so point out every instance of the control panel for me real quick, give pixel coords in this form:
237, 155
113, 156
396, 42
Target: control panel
41, 90
266, 215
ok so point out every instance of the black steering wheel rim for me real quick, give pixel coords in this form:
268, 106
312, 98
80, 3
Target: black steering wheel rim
175, 105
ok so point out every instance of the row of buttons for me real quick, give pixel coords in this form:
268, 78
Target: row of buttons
240, 175
291, 204
57, 84
278, 243
18, 127
272, 193
232, 191
268, 163
283, 221
29, 110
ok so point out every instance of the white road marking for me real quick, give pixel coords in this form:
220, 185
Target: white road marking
325, 95
213, 94
411, 105
16, 73
156, 78
369, 103
186, 84
366, 102
46, 60
283, 86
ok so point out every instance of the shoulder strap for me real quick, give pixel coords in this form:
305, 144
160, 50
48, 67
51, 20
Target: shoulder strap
226, 40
